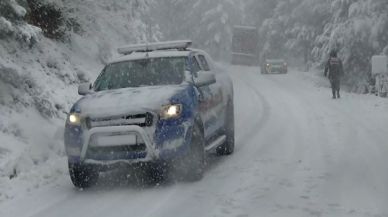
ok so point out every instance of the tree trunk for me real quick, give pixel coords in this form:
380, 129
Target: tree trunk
306, 54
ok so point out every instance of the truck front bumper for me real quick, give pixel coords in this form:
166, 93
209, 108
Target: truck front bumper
277, 69
147, 155
169, 141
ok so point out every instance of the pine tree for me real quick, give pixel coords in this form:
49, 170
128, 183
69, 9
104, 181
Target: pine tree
358, 29
309, 18
257, 11
108, 24
308, 29
208, 23
176, 19
216, 24
124, 16
278, 28
12, 24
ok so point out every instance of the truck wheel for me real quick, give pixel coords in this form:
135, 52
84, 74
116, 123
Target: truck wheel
194, 161
227, 148
83, 176
158, 173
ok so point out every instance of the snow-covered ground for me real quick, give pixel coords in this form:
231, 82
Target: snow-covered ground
298, 153
37, 87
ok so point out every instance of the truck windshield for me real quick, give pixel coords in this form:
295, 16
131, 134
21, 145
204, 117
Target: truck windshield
145, 72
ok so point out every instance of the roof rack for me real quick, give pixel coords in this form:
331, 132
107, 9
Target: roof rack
167, 45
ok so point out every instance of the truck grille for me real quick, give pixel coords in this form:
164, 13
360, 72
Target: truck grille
114, 152
142, 120
117, 149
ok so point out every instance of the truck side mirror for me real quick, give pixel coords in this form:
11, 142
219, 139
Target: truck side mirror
205, 78
84, 89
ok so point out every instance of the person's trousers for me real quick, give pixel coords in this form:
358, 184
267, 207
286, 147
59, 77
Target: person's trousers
335, 86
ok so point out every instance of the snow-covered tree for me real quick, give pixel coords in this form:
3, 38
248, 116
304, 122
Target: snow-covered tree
308, 20
176, 19
123, 16
13, 25
359, 30
216, 24
207, 22
93, 30
295, 25
277, 26
108, 24
257, 11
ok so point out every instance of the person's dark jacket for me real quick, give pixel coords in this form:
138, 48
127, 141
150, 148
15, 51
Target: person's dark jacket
334, 68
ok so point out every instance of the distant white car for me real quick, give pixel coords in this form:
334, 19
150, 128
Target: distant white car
273, 62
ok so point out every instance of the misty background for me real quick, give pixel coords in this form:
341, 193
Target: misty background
307, 29
44, 42
49, 47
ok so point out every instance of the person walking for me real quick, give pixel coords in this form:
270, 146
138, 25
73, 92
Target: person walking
335, 72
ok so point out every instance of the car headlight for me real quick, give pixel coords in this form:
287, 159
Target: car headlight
170, 111
267, 64
285, 64
74, 119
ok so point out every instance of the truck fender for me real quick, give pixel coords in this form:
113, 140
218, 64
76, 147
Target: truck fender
198, 121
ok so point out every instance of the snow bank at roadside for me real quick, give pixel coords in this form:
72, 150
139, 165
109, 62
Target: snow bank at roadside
38, 86
316, 78
54, 169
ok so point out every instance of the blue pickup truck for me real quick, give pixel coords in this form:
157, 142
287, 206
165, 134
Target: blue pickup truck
162, 103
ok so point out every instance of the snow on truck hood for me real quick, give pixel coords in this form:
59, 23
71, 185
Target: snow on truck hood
127, 101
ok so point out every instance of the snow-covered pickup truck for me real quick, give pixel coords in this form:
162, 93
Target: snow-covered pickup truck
159, 103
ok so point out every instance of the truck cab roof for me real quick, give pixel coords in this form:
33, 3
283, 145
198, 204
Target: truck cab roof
152, 54
155, 50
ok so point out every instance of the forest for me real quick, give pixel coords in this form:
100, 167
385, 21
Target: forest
307, 29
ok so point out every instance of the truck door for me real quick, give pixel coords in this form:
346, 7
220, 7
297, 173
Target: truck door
212, 106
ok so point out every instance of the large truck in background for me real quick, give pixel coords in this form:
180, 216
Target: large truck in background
245, 43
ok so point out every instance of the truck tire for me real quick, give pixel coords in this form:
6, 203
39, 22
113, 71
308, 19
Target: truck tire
158, 173
194, 161
83, 176
227, 148
264, 71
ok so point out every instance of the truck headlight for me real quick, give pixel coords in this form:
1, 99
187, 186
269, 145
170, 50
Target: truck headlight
170, 111
74, 119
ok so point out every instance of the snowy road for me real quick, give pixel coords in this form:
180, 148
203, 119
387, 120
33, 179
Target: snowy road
298, 153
